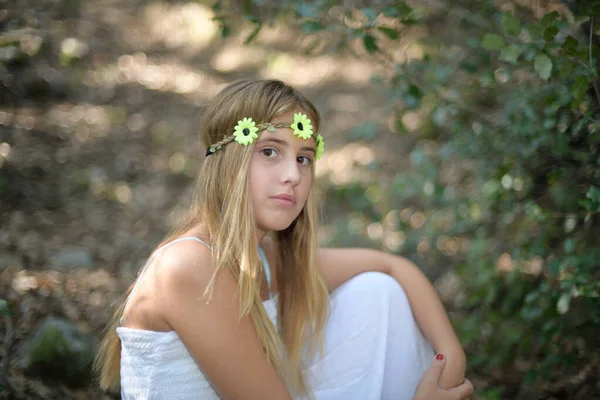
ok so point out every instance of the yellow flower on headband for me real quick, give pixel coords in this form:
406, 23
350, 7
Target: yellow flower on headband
301, 126
320, 146
245, 131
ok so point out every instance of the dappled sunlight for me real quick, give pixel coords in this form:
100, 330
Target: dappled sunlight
448, 245
171, 76
85, 121
4, 152
302, 71
274, 36
346, 164
123, 192
24, 118
423, 247
417, 220
233, 56
408, 52
506, 263
394, 240
411, 120
188, 27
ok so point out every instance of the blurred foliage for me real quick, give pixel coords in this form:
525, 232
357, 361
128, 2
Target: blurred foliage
4, 309
505, 184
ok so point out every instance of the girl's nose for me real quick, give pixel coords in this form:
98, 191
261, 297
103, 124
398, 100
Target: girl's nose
291, 172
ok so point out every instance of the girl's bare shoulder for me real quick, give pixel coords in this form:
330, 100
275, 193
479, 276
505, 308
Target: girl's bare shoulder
183, 261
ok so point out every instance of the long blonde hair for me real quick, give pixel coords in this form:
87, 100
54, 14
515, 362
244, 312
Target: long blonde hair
222, 202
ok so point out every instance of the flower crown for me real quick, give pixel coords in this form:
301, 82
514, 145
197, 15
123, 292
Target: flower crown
246, 131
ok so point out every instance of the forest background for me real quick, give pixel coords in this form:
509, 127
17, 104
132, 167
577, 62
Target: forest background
463, 135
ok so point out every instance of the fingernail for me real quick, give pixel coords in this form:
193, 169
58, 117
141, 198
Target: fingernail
439, 356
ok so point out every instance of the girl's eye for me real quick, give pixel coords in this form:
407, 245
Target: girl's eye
304, 160
268, 152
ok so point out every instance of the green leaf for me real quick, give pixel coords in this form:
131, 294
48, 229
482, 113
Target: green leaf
254, 33
553, 268
4, 310
225, 28
271, 128
510, 24
225, 31
593, 193
252, 18
390, 12
312, 26
400, 127
370, 43
413, 97
491, 41
580, 87
399, 10
550, 32
569, 246
468, 66
510, 53
217, 6
569, 46
389, 32
578, 90
543, 66
549, 19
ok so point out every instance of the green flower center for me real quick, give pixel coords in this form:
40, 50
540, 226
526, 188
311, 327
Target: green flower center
246, 131
300, 126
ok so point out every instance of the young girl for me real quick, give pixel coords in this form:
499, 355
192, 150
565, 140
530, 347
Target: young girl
240, 303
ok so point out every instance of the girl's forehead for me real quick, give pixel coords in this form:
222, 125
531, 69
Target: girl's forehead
285, 117
286, 135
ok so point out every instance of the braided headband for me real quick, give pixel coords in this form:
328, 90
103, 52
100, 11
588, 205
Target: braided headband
246, 131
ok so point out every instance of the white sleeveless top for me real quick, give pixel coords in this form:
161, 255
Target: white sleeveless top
158, 366
373, 350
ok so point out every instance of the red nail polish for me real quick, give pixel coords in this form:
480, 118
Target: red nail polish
439, 356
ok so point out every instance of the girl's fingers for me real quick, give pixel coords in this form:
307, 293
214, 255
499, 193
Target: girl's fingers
463, 391
432, 375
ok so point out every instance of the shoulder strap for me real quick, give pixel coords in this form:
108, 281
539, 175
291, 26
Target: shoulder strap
152, 257
267, 269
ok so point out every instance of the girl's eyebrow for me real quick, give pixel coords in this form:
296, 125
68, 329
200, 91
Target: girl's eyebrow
285, 144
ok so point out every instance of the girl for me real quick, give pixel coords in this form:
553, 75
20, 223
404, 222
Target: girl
240, 303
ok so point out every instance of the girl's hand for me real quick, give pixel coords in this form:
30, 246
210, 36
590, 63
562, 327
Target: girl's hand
429, 389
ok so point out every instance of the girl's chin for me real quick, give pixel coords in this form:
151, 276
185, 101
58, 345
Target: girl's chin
275, 226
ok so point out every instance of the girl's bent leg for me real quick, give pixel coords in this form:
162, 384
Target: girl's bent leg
373, 346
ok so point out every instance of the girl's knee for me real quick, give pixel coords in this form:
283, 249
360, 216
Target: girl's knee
370, 285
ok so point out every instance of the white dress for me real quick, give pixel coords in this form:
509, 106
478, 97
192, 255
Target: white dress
373, 350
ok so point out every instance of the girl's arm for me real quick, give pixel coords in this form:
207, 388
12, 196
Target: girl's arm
224, 345
339, 265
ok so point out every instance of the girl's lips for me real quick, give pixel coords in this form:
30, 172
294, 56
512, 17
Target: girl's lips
284, 199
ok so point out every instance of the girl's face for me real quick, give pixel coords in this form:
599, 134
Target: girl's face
280, 176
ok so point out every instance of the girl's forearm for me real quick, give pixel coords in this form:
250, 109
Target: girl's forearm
432, 318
